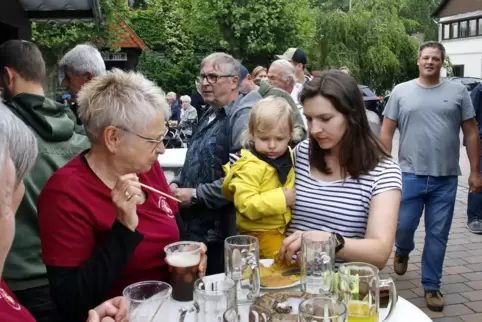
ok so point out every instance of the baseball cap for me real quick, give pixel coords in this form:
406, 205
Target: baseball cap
243, 73
294, 54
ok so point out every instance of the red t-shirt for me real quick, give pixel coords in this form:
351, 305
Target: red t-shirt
76, 211
10, 309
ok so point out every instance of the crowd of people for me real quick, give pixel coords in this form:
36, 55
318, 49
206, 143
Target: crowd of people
272, 154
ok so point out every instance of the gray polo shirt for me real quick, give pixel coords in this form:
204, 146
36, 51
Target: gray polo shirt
429, 121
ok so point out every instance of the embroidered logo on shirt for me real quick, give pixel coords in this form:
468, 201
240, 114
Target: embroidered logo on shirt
10, 301
162, 203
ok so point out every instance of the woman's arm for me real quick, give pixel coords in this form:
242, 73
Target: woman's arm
377, 245
76, 290
82, 269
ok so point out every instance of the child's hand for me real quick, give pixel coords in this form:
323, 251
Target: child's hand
290, 196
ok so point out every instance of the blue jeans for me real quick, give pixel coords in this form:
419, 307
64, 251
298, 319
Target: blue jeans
474, 204
437, 196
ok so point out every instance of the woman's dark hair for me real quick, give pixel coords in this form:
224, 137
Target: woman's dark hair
360, 150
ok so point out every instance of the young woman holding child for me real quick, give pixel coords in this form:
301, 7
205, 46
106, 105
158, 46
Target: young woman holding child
346, 184
261, 180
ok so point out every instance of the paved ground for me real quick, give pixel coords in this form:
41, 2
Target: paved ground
462, 281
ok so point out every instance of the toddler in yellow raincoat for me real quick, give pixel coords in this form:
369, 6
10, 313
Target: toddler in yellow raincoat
261, 180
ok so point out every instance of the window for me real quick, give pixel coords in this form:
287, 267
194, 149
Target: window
472, 27
455, 30
446, 32
458, 70
463, 29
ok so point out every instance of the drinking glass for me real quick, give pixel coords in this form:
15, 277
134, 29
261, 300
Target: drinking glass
146, 299
247, 313
242, 265
183, 261
213, 295
322, 309
359, 287
317, 263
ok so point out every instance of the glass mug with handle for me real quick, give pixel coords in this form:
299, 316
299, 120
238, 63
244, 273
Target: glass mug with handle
146, 300
241, 254
247, 313
317, 263
359, 287
213, 295
322, 309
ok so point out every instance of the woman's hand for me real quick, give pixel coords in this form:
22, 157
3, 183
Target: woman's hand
174, 188
113, 310
204, 261
290, 196
126, 195
292, 245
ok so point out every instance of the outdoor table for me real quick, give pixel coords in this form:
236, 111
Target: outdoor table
404, 310
172, 158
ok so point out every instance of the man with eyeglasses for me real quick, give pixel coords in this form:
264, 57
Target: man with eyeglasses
23, 71
208, 216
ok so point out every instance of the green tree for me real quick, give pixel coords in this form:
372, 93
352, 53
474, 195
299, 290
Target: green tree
417, 13
55, 39
161, 27
371, 40
250, 27
177, 76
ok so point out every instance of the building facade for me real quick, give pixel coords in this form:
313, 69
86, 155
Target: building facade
460, 31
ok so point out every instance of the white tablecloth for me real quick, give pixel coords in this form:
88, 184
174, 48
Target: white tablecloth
404, 311
172, 158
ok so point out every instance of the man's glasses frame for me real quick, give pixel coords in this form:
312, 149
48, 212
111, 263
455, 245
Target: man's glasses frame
211, 78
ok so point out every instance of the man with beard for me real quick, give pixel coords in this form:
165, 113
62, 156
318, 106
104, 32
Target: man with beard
209, 217
22, 71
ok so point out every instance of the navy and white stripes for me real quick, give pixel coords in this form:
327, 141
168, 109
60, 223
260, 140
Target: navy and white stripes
339, 206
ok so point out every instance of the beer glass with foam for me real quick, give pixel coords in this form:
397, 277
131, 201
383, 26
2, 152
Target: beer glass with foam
183, 260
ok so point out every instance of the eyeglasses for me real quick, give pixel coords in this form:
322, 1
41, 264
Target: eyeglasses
150, 140
211, 78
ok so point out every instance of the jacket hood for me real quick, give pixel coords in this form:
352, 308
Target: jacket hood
243, 158
46, 117
247, 100
264, 87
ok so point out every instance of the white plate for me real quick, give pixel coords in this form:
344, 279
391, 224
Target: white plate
268, 263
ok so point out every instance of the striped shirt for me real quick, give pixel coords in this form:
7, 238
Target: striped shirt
338, 206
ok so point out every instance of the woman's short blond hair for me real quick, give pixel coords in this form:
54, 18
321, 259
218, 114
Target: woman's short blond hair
126, 100
258, 70
268, 113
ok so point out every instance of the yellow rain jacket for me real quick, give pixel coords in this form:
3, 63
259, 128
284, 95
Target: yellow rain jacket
255, 189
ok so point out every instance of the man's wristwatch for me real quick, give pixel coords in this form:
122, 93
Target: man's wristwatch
339, 242
194, 197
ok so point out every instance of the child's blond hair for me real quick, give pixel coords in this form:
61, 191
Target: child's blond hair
267, 114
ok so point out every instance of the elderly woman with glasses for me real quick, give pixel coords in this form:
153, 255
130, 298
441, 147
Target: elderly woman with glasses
18, 153
101, 230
